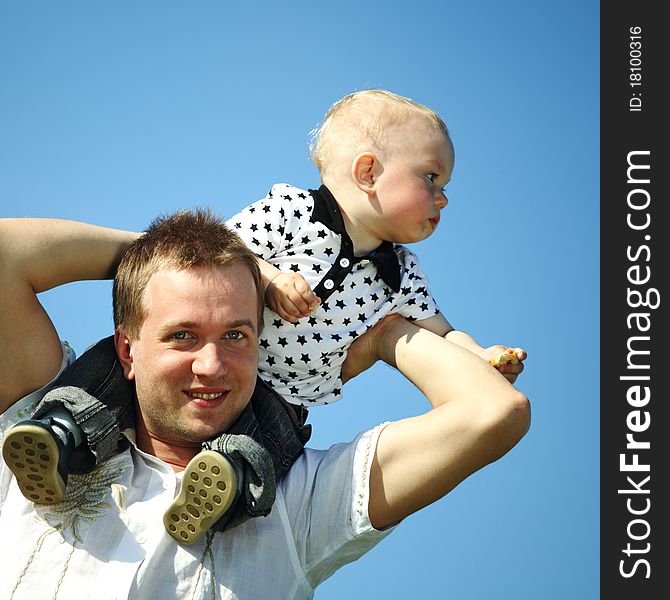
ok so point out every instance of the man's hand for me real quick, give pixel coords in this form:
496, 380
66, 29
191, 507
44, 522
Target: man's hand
508, 361
290, 296
370, 347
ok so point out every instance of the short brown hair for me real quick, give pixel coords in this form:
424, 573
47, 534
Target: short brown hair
184, 240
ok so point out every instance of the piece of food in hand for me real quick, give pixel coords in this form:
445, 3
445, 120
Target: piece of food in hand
313, 307
503, 358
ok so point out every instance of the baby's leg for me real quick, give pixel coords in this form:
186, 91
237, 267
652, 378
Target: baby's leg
75, 425
235, 477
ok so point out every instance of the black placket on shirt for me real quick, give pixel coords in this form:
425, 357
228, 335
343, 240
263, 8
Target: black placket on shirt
327, 212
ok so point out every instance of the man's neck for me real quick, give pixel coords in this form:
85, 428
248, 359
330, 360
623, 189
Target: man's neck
177, 455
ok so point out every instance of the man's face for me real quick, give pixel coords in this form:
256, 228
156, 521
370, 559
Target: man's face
195, 359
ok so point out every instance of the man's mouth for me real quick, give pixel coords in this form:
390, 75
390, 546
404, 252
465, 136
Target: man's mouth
201, 396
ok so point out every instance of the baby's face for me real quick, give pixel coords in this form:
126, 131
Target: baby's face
410, 188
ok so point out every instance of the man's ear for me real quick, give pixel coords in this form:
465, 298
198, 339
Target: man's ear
123, 350
365, 169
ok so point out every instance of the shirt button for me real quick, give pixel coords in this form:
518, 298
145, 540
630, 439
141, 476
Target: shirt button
344, 263
328, 284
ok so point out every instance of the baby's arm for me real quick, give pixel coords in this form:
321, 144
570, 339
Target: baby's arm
508, 361
287, 293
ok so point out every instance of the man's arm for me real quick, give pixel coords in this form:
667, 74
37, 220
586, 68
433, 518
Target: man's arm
477, 417
439, 325
37, 255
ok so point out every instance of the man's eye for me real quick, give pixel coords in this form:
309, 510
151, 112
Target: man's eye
180, 335
234, 335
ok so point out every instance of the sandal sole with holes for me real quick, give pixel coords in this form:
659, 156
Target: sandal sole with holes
32, 455
208, 490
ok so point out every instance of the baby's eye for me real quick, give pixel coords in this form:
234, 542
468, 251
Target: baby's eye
432, 177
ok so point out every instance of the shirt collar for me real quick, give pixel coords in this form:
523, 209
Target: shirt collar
327, 212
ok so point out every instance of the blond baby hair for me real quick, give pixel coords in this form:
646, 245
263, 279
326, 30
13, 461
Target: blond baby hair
360, 122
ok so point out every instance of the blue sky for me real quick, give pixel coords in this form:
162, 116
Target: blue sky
114, 112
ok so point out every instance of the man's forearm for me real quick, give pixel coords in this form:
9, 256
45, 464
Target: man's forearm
441, 369
50, 252
477, 416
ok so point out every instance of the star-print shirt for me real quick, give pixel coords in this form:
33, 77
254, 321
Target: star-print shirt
303, 231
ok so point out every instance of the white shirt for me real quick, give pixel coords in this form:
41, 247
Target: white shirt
303, 231
106, 539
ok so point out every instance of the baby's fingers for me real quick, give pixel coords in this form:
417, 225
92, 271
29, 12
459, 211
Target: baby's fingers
285, 308
296, 298
520, 354
510, 371
306, 299
295, 306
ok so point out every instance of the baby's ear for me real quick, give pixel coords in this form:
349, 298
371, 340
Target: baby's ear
364, 171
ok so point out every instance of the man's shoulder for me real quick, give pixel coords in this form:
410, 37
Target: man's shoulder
339, 461
325, 496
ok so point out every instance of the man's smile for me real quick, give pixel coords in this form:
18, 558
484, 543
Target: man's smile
204, 396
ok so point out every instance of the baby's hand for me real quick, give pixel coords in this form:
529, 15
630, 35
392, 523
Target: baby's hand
508, 361
290, 296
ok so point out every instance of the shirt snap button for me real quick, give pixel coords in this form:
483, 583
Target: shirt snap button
328, 284
344, 263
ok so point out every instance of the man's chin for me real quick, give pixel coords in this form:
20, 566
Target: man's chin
209, 431
206, 427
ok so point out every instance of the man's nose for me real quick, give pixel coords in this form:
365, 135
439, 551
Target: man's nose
209, 361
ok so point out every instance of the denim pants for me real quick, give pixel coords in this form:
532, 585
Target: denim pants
266, 439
